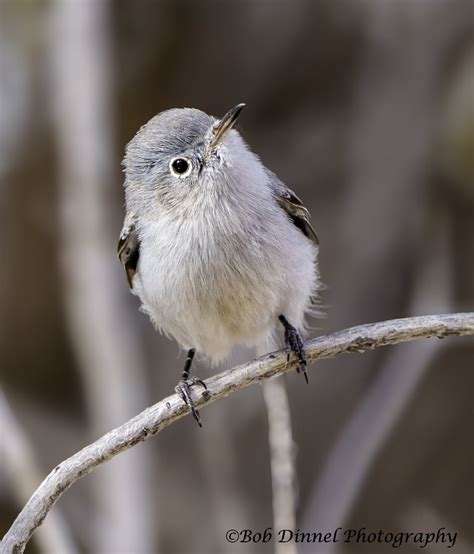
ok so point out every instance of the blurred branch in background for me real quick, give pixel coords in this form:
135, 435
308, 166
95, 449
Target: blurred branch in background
15, 103
374, 419
21, 474
282, 460
102, 332
169, 410
227, 505
396, 86
393, 119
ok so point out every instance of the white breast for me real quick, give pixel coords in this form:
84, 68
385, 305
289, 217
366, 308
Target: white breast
210, 284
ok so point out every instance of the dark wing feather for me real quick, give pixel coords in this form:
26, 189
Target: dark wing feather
293, 206
128, 248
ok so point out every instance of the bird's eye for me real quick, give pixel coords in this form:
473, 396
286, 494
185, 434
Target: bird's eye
180, 167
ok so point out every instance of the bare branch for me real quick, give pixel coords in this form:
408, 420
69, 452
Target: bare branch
155, 418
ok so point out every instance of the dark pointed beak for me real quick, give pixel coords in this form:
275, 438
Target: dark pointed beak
223, 126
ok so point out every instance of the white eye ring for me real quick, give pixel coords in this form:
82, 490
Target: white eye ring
180, 166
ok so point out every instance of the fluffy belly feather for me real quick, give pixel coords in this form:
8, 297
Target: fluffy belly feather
209, 313
210, 300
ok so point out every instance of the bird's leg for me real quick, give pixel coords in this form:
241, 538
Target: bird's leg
294, 343
183, 388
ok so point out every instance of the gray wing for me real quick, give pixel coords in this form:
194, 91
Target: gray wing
128, 248
293, 206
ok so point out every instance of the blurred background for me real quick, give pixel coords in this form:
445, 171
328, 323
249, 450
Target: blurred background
366, 110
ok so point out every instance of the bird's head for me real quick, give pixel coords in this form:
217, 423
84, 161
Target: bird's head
179, 154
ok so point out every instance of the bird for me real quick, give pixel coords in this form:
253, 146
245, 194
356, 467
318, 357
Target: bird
219, 251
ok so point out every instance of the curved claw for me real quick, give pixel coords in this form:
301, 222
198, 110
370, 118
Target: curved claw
303, 366
183, 389
196, 381
295, 344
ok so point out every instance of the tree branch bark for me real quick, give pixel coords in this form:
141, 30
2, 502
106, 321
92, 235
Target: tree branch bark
155, 418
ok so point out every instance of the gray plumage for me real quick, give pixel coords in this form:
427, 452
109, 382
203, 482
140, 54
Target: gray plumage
215, 255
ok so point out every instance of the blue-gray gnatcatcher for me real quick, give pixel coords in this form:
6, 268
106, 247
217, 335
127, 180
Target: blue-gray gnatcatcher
219, 251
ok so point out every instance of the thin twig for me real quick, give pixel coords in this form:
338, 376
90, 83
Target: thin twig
157, 417
282, 460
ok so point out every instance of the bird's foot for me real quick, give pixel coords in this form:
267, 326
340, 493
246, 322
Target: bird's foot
294, 343
183, 388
